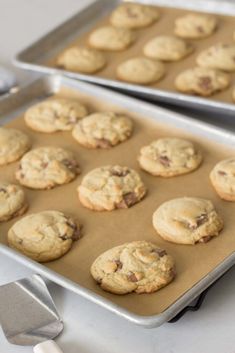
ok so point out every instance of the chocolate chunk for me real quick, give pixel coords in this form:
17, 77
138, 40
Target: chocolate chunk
160, 252
119, 173
205, 239
221, 172
71, 165
132, 277
201, 219
76, 232
131, 13
119, 264
200, 29
164, 160
205, 83
3, 190
44, 164
103, 143
128, 200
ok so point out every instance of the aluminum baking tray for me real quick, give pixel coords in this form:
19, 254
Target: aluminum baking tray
37, 56
15, 104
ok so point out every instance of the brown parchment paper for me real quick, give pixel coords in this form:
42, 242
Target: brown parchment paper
165, 25
104, 230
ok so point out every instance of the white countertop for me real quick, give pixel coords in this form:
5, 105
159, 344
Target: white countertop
89, 328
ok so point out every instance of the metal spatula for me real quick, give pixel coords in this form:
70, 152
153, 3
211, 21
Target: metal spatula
28, 315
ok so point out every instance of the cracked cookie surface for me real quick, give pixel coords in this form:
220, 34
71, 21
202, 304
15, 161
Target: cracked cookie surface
134, 16
81, 59
167, 48
141, 70
103, 130
195, 26
13, 144
220, 56
139, 266
57, 114
12, 201
222, 178
44, 236
111, 38
202, 81
111, 187
168, 157
187, 220
47, 167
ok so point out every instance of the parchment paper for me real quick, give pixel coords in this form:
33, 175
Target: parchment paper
165, 25
104, 230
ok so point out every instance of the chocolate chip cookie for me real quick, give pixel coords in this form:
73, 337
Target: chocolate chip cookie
168, 157
131, 15
111, 187
13, 144
47, 167
57, 114
12, 201
141, 70
139, 266
103, 130
202, 81
222, 178
44, 236
187, 220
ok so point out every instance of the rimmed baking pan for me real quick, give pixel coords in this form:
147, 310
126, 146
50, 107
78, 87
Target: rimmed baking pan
42, 55
197, 266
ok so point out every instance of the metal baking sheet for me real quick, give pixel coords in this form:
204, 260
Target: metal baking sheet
200, 265
38, 56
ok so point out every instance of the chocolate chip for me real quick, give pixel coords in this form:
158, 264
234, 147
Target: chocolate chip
205, 239
200, 29
164, 160
119, 264
103, 143
221, 172
160, 252
71, 165
201, 219
129, 199
44, 164
3, 190
132, 277
119, 173
76, 232
205, 83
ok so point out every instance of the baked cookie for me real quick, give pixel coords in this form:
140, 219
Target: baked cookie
111, 38
57, 114
141, 70
220, 56
103, 130
187, 220
12, 201
110, 187
132, 15
47, 167
139, 267
168, 157
13, 144
222, 178
81, 59
167, 48
195, 26
44, 236
202, 81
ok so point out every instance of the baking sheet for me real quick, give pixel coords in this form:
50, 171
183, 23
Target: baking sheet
103, 230
163, 90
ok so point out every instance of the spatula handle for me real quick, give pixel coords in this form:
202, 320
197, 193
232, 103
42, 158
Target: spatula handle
47, 347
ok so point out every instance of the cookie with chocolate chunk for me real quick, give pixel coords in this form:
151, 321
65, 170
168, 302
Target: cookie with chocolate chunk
202, 81
222, 178
187, 220
47, 167
219, 56
168, 157
139, 266
44, 236
103, 130
195, 25
111, 187
12, 201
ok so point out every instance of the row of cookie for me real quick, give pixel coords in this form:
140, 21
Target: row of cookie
139, 266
